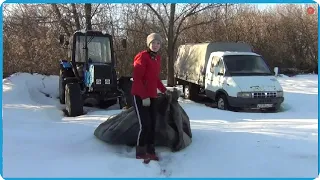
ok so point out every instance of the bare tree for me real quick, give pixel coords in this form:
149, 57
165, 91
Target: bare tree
172, 33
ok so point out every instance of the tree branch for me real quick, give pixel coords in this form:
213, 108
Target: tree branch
132, 30
144, 21
95, 11
75, 16
166, 10
160, 18
191, 26
184, 10
59, 17
193, 12
183, 19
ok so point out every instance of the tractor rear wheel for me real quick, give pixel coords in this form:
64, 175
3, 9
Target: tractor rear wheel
73, 99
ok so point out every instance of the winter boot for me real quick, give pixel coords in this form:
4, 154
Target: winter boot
141, 152
152, 153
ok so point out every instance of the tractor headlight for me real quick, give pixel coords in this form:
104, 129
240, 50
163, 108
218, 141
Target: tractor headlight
244, 94
98, 81
279, 93
107, 81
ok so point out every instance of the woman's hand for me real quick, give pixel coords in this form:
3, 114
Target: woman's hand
146, 102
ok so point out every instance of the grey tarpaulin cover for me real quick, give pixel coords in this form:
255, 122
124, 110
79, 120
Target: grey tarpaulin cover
172, 127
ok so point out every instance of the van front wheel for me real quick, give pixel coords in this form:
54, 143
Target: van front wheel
222, 102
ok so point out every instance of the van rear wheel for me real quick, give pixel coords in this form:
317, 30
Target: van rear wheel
186, 92
190, 91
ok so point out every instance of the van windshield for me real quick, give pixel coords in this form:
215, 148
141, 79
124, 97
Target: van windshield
246, 65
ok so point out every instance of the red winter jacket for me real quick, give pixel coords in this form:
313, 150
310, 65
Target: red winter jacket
146, 72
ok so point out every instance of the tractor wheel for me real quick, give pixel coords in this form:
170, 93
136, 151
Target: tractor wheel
62, 84
73, 99
62, 87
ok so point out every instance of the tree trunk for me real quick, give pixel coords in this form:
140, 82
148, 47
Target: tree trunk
170, 62
87, 8
75, 16
60, 19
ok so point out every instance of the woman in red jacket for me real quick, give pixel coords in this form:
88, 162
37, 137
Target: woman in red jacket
146, 71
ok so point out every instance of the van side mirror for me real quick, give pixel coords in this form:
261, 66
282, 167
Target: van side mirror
276, 71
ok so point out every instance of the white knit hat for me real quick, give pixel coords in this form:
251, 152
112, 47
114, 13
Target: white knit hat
153, 36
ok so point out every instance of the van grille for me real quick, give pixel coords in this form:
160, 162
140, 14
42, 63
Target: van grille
264, 94
265, 101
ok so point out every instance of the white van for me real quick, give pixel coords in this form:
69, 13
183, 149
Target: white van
234, 79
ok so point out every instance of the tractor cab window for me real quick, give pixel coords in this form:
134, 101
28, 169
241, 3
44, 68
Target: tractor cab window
99, 50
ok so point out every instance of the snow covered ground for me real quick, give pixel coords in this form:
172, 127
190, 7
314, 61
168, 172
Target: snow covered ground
40, 142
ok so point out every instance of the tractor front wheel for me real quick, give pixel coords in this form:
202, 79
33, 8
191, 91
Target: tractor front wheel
62, 85
73, 99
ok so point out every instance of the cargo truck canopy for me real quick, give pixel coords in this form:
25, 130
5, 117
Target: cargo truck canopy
192, 59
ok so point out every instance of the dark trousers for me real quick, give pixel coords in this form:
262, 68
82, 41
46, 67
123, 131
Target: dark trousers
147, 121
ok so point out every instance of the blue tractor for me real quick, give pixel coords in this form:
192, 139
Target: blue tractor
88, 77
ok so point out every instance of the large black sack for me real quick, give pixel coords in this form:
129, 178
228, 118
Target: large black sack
172, 125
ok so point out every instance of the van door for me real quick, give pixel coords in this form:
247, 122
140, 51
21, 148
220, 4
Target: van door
212, 79
220, 72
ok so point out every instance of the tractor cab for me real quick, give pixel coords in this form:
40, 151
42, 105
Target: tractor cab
93, 60
99, 48
90, 68
91, 52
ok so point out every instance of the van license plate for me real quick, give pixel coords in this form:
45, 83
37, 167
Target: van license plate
264, 105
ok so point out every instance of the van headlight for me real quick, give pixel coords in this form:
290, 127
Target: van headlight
244, 94
279, 93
